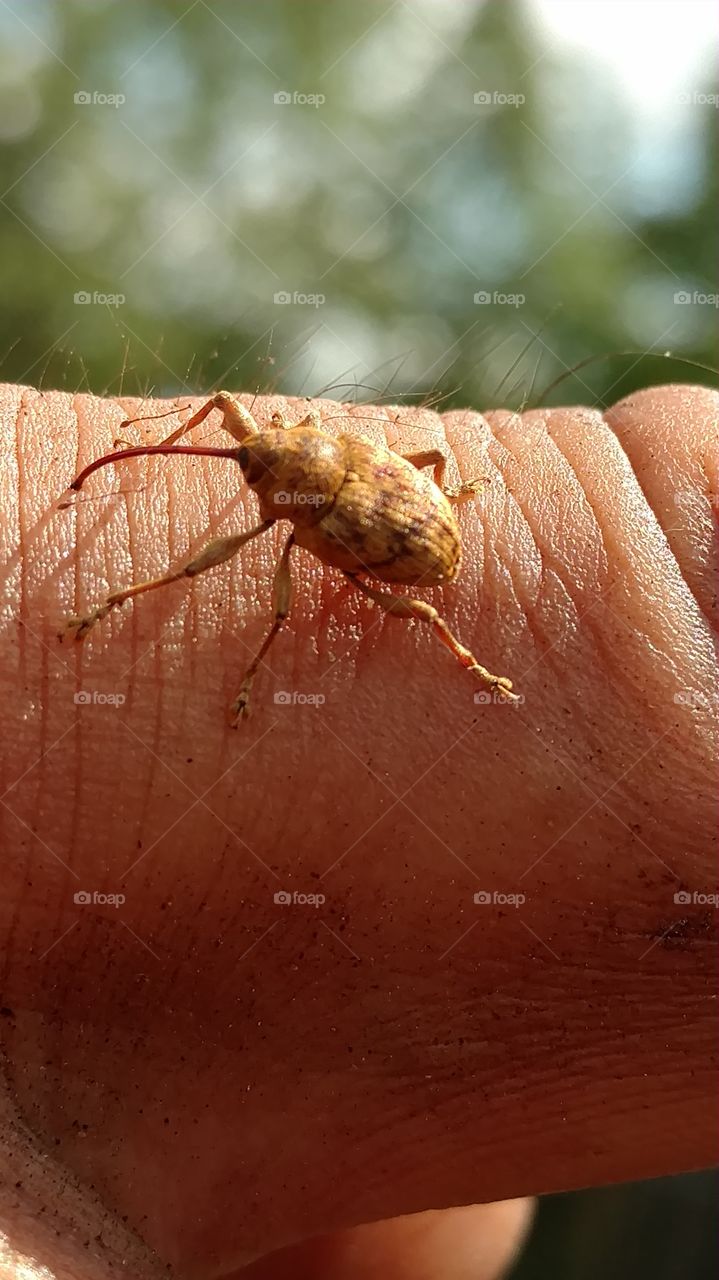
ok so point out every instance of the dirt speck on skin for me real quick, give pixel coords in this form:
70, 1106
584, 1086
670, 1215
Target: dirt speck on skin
95, 1244
680, 935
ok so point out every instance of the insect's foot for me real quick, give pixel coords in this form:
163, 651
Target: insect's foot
240, 708
501, 686
465, 492
77, 628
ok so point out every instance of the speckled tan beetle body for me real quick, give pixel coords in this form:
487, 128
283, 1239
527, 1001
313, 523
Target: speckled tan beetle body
355, 505
358, 507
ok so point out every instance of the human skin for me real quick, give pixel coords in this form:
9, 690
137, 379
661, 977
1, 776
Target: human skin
232, 1075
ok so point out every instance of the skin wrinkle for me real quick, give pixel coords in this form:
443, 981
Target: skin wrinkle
650, 529
516, 553
579, 608
683, 460
648, 519
544, 643
652, 515
446, 421
581, 557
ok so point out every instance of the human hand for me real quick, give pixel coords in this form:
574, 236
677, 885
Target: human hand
234, 1075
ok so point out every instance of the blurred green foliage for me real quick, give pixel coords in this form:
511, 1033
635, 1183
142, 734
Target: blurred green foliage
397, 199
659, 1230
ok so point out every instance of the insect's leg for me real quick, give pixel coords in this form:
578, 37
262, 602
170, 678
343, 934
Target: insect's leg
404, 607
429, 458
463, 492
237, 420
216, 552
281, 596
435, 458
312, 419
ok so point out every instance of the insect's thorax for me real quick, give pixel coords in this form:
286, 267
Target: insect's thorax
296, 473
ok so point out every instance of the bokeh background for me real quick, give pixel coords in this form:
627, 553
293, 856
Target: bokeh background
439, 197
448, 200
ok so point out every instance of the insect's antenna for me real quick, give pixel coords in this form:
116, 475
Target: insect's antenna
611, 355
150, 417
141, 451
358, 417
266, 360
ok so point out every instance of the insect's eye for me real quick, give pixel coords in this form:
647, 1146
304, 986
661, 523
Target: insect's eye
243, 456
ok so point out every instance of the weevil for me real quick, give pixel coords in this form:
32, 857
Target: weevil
365, 510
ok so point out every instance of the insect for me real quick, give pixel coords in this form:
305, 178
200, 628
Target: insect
365, 510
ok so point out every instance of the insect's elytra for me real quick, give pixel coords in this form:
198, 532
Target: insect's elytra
359, 507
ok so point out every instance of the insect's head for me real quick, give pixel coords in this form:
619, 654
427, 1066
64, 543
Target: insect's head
260, 458
296, 472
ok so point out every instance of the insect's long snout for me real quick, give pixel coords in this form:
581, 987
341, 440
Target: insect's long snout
146, 450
